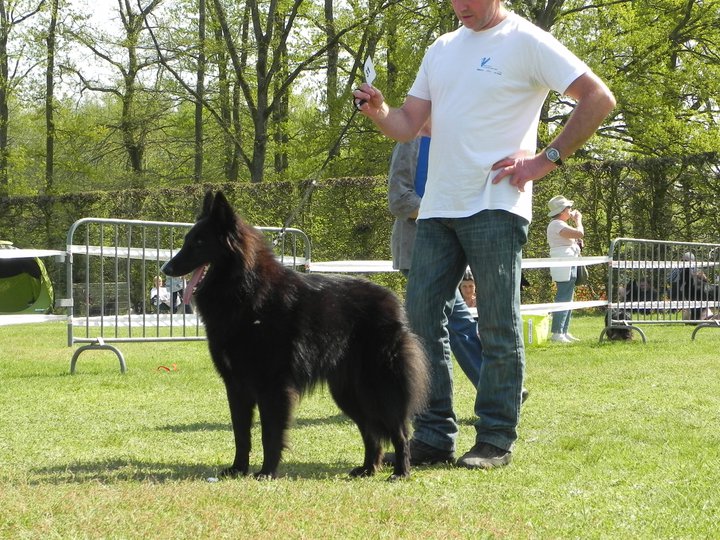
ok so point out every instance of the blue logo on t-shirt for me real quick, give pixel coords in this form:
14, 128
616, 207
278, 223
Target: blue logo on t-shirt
487, 67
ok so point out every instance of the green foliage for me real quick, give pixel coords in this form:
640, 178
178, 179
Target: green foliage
660, 57
348, 219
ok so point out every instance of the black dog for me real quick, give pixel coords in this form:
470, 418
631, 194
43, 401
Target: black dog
274, 333
618, 334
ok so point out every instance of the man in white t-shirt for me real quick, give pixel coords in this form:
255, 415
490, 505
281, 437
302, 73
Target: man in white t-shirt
483, 86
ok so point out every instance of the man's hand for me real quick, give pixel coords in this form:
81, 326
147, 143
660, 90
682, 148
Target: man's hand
401, 124
521, 170
369, 101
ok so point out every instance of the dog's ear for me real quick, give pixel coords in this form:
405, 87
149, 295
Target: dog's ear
222, 213
207, 205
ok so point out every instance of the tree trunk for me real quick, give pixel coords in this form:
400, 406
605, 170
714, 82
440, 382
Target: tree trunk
200, 90
50, 100
129, 125
280, 115
4, 91
331, 86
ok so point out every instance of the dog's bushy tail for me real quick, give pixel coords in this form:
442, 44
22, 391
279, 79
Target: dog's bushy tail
417, 370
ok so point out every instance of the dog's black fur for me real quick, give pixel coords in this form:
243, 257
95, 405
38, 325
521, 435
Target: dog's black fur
618, 334
274, 333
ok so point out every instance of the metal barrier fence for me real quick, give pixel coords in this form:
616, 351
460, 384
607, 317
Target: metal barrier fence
662, 282
111, 266
111, 263
373, 267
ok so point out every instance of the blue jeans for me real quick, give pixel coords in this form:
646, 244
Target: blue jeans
464, 341
491, 243
565, 292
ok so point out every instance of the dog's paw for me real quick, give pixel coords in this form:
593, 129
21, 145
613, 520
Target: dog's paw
362, 472
398, 477
262, 476
232, 472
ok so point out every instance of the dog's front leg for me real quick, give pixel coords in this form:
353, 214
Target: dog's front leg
275, 409
241, 413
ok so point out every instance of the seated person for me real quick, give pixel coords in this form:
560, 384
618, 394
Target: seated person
467, 289
690, 283
160, 296
640, 290
176, 286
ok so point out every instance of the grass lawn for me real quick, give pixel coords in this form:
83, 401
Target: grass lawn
617, 440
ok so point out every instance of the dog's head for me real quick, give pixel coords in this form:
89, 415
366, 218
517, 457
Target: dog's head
218, 238
618, 334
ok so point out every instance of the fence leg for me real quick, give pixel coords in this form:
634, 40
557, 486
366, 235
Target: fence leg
629, 326
98, 347
707, 324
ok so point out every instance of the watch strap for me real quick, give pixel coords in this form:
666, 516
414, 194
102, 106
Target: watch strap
549, 152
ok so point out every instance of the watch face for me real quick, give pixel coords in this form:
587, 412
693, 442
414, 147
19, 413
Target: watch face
552, 154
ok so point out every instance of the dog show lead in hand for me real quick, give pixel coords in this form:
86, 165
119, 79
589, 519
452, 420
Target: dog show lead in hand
483, 86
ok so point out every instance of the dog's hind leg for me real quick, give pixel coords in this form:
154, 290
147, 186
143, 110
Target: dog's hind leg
373, 454
401, 468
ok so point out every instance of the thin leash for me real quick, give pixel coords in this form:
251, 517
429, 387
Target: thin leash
313, 181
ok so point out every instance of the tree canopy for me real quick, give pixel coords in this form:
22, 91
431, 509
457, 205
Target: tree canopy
171, 93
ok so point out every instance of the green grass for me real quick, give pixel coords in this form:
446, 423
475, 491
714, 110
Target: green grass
617, 440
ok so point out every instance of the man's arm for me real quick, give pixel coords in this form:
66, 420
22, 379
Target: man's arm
402, 123
577, 232
594, 103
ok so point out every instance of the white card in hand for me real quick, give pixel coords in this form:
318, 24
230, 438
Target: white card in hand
369, 71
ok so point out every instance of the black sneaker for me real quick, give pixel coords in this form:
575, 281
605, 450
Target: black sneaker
484, 456
524, 395
423, 454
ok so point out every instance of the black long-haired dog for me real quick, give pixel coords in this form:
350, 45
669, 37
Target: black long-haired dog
274, 333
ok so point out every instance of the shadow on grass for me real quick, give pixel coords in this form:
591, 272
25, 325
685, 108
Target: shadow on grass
118, 470
296, 423
131, 470
140, 470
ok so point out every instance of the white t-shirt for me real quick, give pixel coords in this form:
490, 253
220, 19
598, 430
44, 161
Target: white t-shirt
561, 247
487, 89
554, 239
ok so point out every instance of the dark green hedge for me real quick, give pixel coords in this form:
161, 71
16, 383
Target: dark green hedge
347, 218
